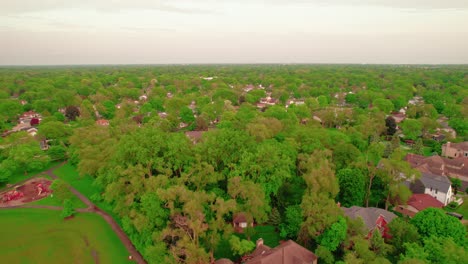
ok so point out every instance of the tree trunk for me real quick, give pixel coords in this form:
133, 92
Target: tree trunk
371, 178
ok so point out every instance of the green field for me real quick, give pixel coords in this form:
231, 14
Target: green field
52, 200
84, 184
42, 236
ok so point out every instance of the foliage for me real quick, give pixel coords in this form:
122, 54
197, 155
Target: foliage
275, 217
72, 112
61, 190
352, 187
334, 235
433, 222
68, 209
292, 222
241, 246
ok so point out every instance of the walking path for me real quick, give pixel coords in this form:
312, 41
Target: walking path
92, 208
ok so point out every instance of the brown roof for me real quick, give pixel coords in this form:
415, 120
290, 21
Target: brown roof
224, 261
461, 145
239, 218
288, 252
423, 201
440, 165
195, 136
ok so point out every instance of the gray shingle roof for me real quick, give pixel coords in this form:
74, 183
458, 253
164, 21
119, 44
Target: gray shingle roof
437, 182
369, 215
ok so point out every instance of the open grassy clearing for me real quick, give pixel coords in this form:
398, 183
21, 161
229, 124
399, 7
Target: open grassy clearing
84, 184
42, 236
52, 200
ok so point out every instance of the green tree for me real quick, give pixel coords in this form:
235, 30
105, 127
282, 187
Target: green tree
68, 209
391, 125
402, 232
334, 235
418, 147
275, 217
292, 222
241, 247
412, 128
434, 222
61, 190
456, 184
72, 112
352, 187
318, 205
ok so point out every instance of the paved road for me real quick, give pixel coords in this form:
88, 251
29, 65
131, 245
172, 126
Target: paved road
92, 208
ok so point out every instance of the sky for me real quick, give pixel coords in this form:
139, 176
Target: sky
55, 32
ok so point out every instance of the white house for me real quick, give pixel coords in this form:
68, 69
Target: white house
436, 186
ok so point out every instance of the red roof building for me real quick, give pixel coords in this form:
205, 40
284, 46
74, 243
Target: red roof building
418, 202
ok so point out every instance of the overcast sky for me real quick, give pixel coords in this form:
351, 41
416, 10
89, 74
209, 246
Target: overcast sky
227, 31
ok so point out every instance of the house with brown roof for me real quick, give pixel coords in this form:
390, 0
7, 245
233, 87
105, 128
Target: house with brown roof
102, 122
288, 252
418, 202
373, 218
455, 150
440, 166
240, 221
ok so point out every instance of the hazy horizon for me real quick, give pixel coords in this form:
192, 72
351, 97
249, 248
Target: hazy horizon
118, 32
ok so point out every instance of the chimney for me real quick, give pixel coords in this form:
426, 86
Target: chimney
259, 242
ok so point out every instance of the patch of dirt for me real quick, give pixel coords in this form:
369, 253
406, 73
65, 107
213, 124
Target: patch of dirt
30, 191
95, 255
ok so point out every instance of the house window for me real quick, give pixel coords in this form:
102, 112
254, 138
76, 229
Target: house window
436, 191
431, 189
466, 154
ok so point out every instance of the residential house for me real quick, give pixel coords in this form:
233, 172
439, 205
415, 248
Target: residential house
398, 116
162, 114
418, 202
455, 168
102, 122
268, 101
373, 218
169, 95
249, 88
294, 102
32, 131
44, 144
436, 186
239, 222
194, 136
143, 98
455, 150
288, 252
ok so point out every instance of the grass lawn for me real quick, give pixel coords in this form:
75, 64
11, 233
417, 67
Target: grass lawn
20, 176
84, 184
462, 209
269, 235
77, 203
42, 236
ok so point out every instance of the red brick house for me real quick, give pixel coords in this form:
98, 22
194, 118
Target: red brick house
373, 218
